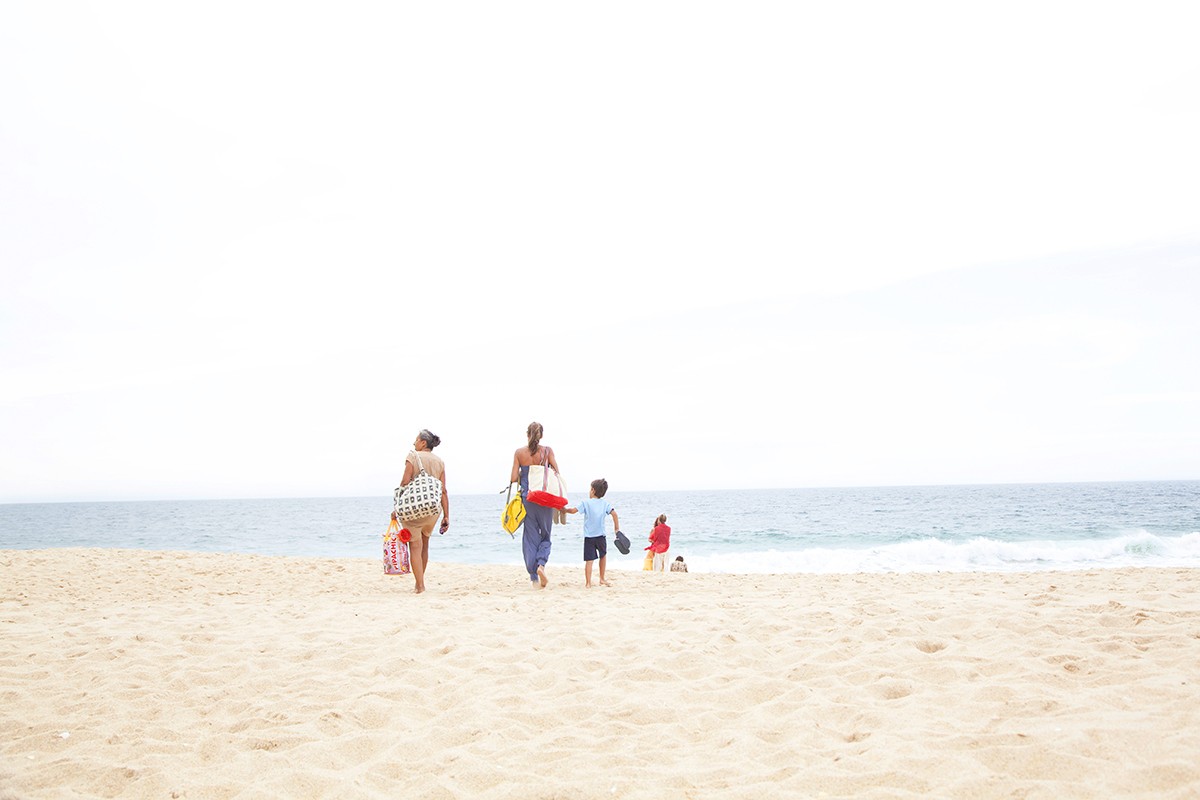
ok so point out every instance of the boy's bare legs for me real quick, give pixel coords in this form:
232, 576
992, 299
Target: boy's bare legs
587, 573
603, 582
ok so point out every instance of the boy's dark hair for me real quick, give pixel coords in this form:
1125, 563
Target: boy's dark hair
600, 487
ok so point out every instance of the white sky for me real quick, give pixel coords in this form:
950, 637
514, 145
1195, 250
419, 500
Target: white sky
249, 249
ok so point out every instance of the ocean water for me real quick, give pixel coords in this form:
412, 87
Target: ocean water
888, 529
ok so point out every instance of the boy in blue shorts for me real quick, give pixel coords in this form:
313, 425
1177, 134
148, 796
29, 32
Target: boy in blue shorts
595, 546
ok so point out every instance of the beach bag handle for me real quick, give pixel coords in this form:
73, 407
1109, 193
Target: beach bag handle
546, 472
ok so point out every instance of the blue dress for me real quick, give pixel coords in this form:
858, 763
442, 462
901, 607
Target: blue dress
535, 536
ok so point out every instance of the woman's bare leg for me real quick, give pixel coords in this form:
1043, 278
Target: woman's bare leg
416, 557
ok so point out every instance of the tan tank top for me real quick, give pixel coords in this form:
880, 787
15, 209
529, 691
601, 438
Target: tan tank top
433, 464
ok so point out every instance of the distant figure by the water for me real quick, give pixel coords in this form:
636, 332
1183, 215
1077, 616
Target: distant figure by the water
660, 543
678, 565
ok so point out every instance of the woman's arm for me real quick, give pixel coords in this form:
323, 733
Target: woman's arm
408, 473
550, 459
445, 505
516, 470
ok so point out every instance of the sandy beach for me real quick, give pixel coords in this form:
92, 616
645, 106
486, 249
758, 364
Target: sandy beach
184, 675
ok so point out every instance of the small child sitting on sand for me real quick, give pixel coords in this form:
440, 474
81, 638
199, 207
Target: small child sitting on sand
595, 545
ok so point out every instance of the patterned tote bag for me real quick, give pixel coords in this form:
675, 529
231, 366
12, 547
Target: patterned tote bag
421, 498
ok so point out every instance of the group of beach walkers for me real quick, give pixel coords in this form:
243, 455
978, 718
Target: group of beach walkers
539, 519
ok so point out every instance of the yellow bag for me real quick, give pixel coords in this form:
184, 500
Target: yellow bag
514, 513
648, 564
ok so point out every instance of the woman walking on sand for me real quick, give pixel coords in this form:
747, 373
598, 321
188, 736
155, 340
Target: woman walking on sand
535, 537
422, 457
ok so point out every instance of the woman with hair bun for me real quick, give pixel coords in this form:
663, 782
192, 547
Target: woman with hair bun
535, 537
421, 456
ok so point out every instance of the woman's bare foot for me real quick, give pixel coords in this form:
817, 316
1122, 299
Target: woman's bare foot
542, 577
603, 582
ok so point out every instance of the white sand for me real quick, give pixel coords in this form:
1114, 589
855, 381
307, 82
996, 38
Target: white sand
145, 674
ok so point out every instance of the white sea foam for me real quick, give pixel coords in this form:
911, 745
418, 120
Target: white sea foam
1139, 548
